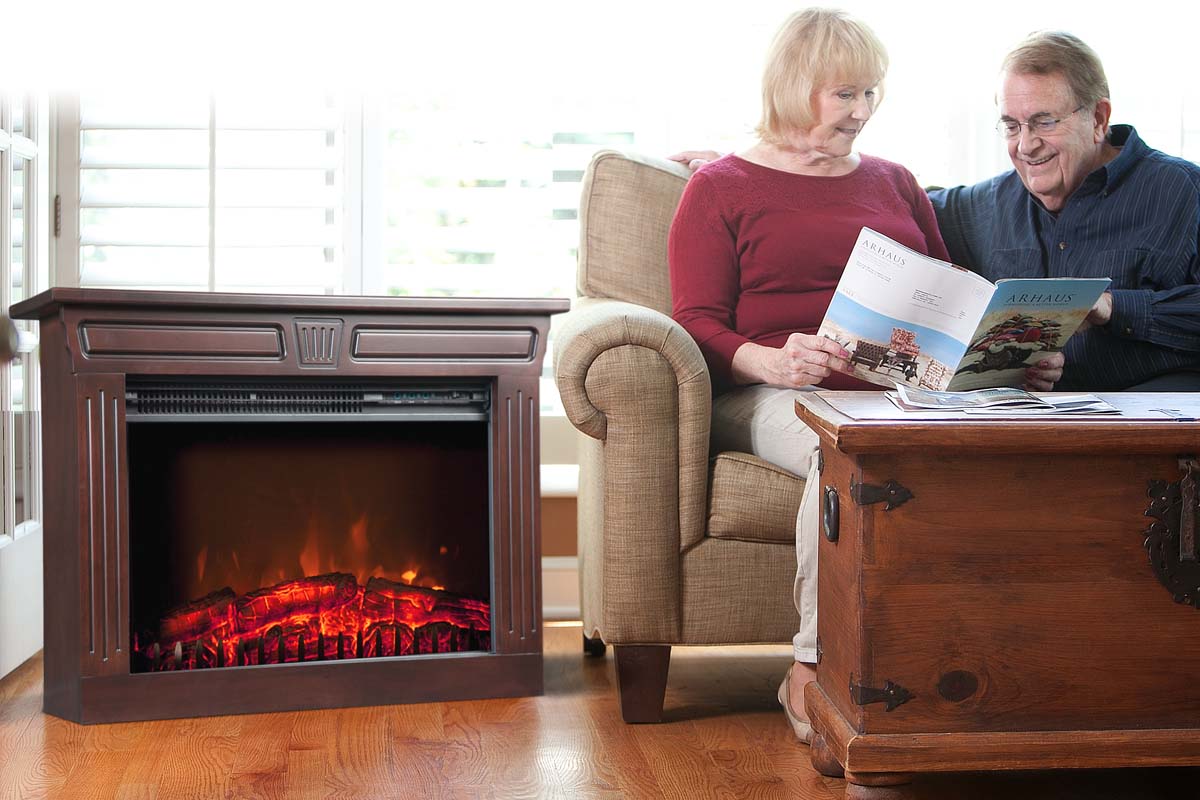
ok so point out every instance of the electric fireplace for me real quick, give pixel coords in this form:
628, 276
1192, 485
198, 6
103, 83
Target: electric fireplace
260, 503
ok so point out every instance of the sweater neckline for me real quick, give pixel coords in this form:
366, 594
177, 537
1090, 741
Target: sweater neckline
785, 175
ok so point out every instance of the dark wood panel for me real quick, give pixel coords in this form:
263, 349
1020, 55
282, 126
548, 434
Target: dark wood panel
180, 341
518, 611
435, 344
301, 344
64, 516
105, 546
291, 687
318, 341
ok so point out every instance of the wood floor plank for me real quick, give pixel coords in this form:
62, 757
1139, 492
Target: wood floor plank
41, 758
146, 765
724, 737
263, 745
200, 757
415, 735
309, 755
361, 765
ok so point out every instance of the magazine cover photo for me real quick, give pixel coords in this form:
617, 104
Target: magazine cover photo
887, 351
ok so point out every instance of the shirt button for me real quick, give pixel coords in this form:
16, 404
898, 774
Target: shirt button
1129, 331
1062, 245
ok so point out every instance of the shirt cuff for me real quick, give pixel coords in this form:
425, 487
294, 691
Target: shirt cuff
1130, 313
718, 351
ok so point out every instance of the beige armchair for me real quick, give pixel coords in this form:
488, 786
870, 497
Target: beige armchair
675, 547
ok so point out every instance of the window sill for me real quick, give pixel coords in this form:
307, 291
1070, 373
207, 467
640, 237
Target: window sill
560, 480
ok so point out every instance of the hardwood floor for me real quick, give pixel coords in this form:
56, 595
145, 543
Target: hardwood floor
724, 737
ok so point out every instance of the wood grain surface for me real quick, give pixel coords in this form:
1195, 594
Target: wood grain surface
1021, 436
723, 737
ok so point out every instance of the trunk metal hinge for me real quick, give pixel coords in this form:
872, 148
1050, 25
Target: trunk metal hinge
1171, 540
892, 694
891, 493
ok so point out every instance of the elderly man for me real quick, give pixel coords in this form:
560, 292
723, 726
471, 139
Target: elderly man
1085, 200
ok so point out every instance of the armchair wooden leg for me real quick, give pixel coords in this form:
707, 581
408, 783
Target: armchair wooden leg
594, 647
642, 680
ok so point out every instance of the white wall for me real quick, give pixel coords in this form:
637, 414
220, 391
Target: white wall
20, 600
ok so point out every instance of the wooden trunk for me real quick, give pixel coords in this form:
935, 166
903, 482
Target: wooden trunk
1008, 615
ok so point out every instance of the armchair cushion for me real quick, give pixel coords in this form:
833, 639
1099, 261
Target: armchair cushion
752, 500
627, 205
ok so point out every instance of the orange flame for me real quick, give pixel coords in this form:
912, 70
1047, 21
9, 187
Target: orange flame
310, 556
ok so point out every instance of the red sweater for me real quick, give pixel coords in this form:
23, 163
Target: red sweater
756, 253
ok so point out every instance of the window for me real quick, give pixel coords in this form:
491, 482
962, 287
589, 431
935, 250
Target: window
192, 192
23, 272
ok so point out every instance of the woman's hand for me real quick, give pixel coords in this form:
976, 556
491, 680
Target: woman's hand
803, 360
695, 159
1042, 376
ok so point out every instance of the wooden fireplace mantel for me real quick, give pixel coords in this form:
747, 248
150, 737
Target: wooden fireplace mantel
93, 340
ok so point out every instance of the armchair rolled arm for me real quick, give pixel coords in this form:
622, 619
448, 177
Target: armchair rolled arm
597, 326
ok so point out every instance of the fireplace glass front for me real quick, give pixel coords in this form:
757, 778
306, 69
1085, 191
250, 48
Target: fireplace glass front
274, 525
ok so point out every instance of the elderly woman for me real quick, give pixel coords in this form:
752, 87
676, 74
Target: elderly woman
756, 250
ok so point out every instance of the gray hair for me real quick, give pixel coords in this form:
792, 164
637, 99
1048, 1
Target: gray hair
1050, 52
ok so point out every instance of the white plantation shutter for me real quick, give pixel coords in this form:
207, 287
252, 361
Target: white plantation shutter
226, 193
23, 272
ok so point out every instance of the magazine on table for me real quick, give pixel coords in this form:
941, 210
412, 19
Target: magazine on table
910, 319
997, 402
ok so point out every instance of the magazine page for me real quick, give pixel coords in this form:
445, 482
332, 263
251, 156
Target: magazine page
998, 402
1079, 404
903, 316
1026, 319
980, 398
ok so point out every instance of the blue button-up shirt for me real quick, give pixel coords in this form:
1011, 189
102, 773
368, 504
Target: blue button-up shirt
1135, 220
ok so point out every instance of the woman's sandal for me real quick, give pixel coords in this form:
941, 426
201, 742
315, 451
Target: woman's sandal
801, 728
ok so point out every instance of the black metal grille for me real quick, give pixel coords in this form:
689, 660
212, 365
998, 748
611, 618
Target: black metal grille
244, 399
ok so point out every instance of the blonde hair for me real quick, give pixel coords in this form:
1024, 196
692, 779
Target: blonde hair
1055, 52
816, 48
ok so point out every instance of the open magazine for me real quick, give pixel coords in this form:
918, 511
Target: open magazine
908, 318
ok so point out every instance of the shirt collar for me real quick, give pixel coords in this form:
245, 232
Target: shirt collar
1133, 150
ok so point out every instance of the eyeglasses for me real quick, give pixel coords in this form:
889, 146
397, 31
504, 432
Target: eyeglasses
1038, 126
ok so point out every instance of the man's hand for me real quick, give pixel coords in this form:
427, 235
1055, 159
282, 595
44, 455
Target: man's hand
1042, 376
1100, 314
803, 360
695, 159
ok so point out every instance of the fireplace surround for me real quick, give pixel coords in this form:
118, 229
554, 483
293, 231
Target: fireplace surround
227, 475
